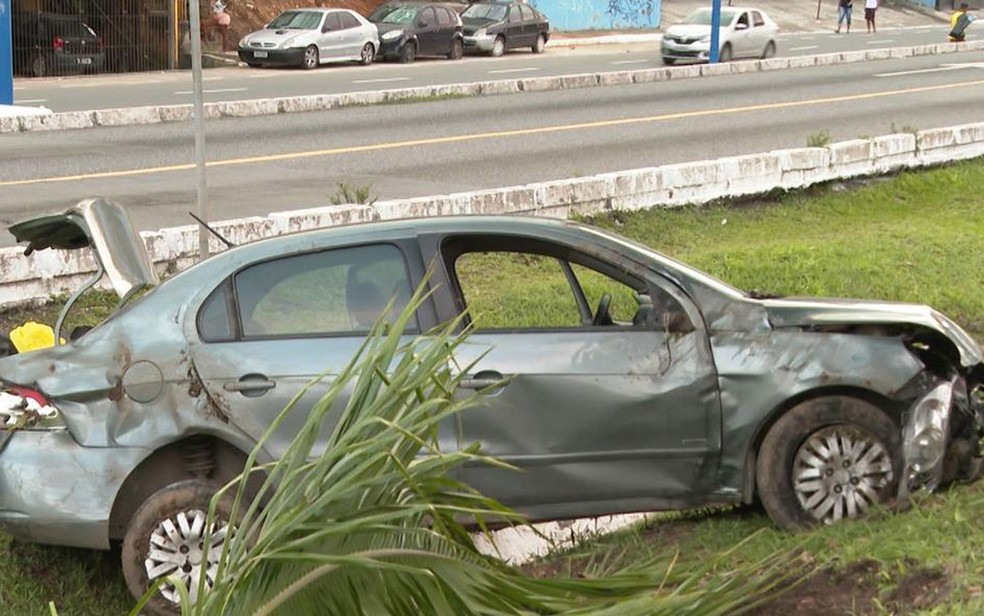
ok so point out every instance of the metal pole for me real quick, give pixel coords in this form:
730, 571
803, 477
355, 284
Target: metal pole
715, 30
818, 11
199, 116
6, 56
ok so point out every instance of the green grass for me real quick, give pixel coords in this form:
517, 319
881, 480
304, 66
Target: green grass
914, 237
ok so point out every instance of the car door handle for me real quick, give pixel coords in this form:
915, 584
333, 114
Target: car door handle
483, 380
251, 383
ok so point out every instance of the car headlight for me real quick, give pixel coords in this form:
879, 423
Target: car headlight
287, 42
244, 42
26, 409
391, 35
924, 438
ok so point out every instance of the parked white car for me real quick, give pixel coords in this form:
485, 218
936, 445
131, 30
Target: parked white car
309, 37
744, 33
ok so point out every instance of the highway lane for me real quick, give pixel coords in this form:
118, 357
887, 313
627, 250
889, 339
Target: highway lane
284, 162
234, 83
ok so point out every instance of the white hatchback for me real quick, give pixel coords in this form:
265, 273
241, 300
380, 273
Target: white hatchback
744, 33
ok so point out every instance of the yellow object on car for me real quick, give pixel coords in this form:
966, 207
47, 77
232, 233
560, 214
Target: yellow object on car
32, 336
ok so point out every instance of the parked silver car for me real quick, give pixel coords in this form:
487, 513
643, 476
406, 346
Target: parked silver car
744, 33
310, 37
627, 381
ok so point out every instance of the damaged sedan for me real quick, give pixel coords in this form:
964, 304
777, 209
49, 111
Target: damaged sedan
615, 378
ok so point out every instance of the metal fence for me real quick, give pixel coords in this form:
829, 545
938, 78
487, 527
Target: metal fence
64, 37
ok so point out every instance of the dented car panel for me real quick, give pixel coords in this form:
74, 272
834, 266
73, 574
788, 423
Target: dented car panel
669, 407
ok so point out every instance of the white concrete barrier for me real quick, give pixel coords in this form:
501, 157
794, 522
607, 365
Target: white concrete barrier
322, 102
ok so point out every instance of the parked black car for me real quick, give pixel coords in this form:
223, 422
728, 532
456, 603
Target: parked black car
52, 44
494, 27
411, 29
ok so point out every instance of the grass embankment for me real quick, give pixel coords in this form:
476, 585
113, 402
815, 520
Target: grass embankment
914, 237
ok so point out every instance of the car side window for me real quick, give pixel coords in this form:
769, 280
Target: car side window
514, 15
348, 21
330, 292
757, 19
743, 20
528, 14
444, 18
332, 22
215, 316
427, 18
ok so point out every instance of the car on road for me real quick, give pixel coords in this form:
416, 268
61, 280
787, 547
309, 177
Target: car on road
310, 37
47, 44
496, 27
616, 378
411, 29
744, 33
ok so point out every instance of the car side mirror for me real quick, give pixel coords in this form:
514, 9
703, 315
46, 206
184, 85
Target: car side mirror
326, 29
741, 26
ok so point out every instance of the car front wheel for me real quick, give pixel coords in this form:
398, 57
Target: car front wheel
498, 47
164, 538
826, 460
408, 54
540, 44
770, 50
725, 55
310, 59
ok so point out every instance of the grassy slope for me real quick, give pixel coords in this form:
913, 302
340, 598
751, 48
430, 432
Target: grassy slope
914, 237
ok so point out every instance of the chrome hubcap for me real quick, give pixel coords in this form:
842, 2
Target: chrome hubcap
176, 549
309, 58
838, 473
366, 53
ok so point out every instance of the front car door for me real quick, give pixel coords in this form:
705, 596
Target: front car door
601, 412
428, 33
740, 35
515, 37
271, 327
330, 45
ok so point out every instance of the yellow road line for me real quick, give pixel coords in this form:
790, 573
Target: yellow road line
376, 147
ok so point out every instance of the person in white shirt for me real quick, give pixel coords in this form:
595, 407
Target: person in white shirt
870, 6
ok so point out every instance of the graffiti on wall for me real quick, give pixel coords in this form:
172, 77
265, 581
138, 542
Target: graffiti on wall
599, 14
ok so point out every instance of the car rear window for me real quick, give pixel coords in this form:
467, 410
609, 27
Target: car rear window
69, 28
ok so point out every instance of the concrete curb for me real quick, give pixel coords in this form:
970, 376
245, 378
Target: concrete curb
319, 102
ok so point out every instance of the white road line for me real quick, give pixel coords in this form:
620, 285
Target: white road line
514, 70
939, 69
631, 61
31, 100
880, 42
381, 80
215, 91
803, 48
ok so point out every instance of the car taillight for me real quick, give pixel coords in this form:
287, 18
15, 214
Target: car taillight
101, 43
58, 43
25, 392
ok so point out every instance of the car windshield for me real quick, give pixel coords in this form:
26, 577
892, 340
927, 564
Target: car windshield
296, 20
702, 17
400, 15
489, 12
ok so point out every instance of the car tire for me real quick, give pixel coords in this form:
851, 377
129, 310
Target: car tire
311, 58
39, 66
409, 53
190, 498
769, 51
367, 55
669, 61
540, 44
457, 49
725, 55
826, 459
498, 47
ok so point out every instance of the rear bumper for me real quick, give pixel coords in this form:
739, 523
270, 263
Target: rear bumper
65, 63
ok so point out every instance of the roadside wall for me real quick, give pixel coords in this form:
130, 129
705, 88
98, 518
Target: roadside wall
599, 14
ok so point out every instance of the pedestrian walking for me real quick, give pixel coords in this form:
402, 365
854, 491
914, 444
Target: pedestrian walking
870, 6
959, 22
844, 8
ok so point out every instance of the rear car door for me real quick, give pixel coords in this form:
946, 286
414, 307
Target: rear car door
428, 33
272, 327
531, 27
758, 35
351, 39
599, 414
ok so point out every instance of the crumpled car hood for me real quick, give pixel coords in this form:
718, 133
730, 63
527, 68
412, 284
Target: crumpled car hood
796, 312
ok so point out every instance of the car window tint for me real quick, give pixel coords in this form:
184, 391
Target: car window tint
743, 19
335, 291
332, 22
528, 14
348, 21
757, 19
514, 16
513, 290
214, 321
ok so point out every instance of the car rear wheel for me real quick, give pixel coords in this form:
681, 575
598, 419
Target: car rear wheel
39, 66
769, 51
457, 49
498, 46
310, 59
165, 537
826, 460
725, 55
367, 55
408, 54
540, 44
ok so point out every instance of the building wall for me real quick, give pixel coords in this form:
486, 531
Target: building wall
569, 15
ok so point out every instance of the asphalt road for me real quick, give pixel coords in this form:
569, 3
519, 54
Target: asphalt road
225, 84
284, 162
